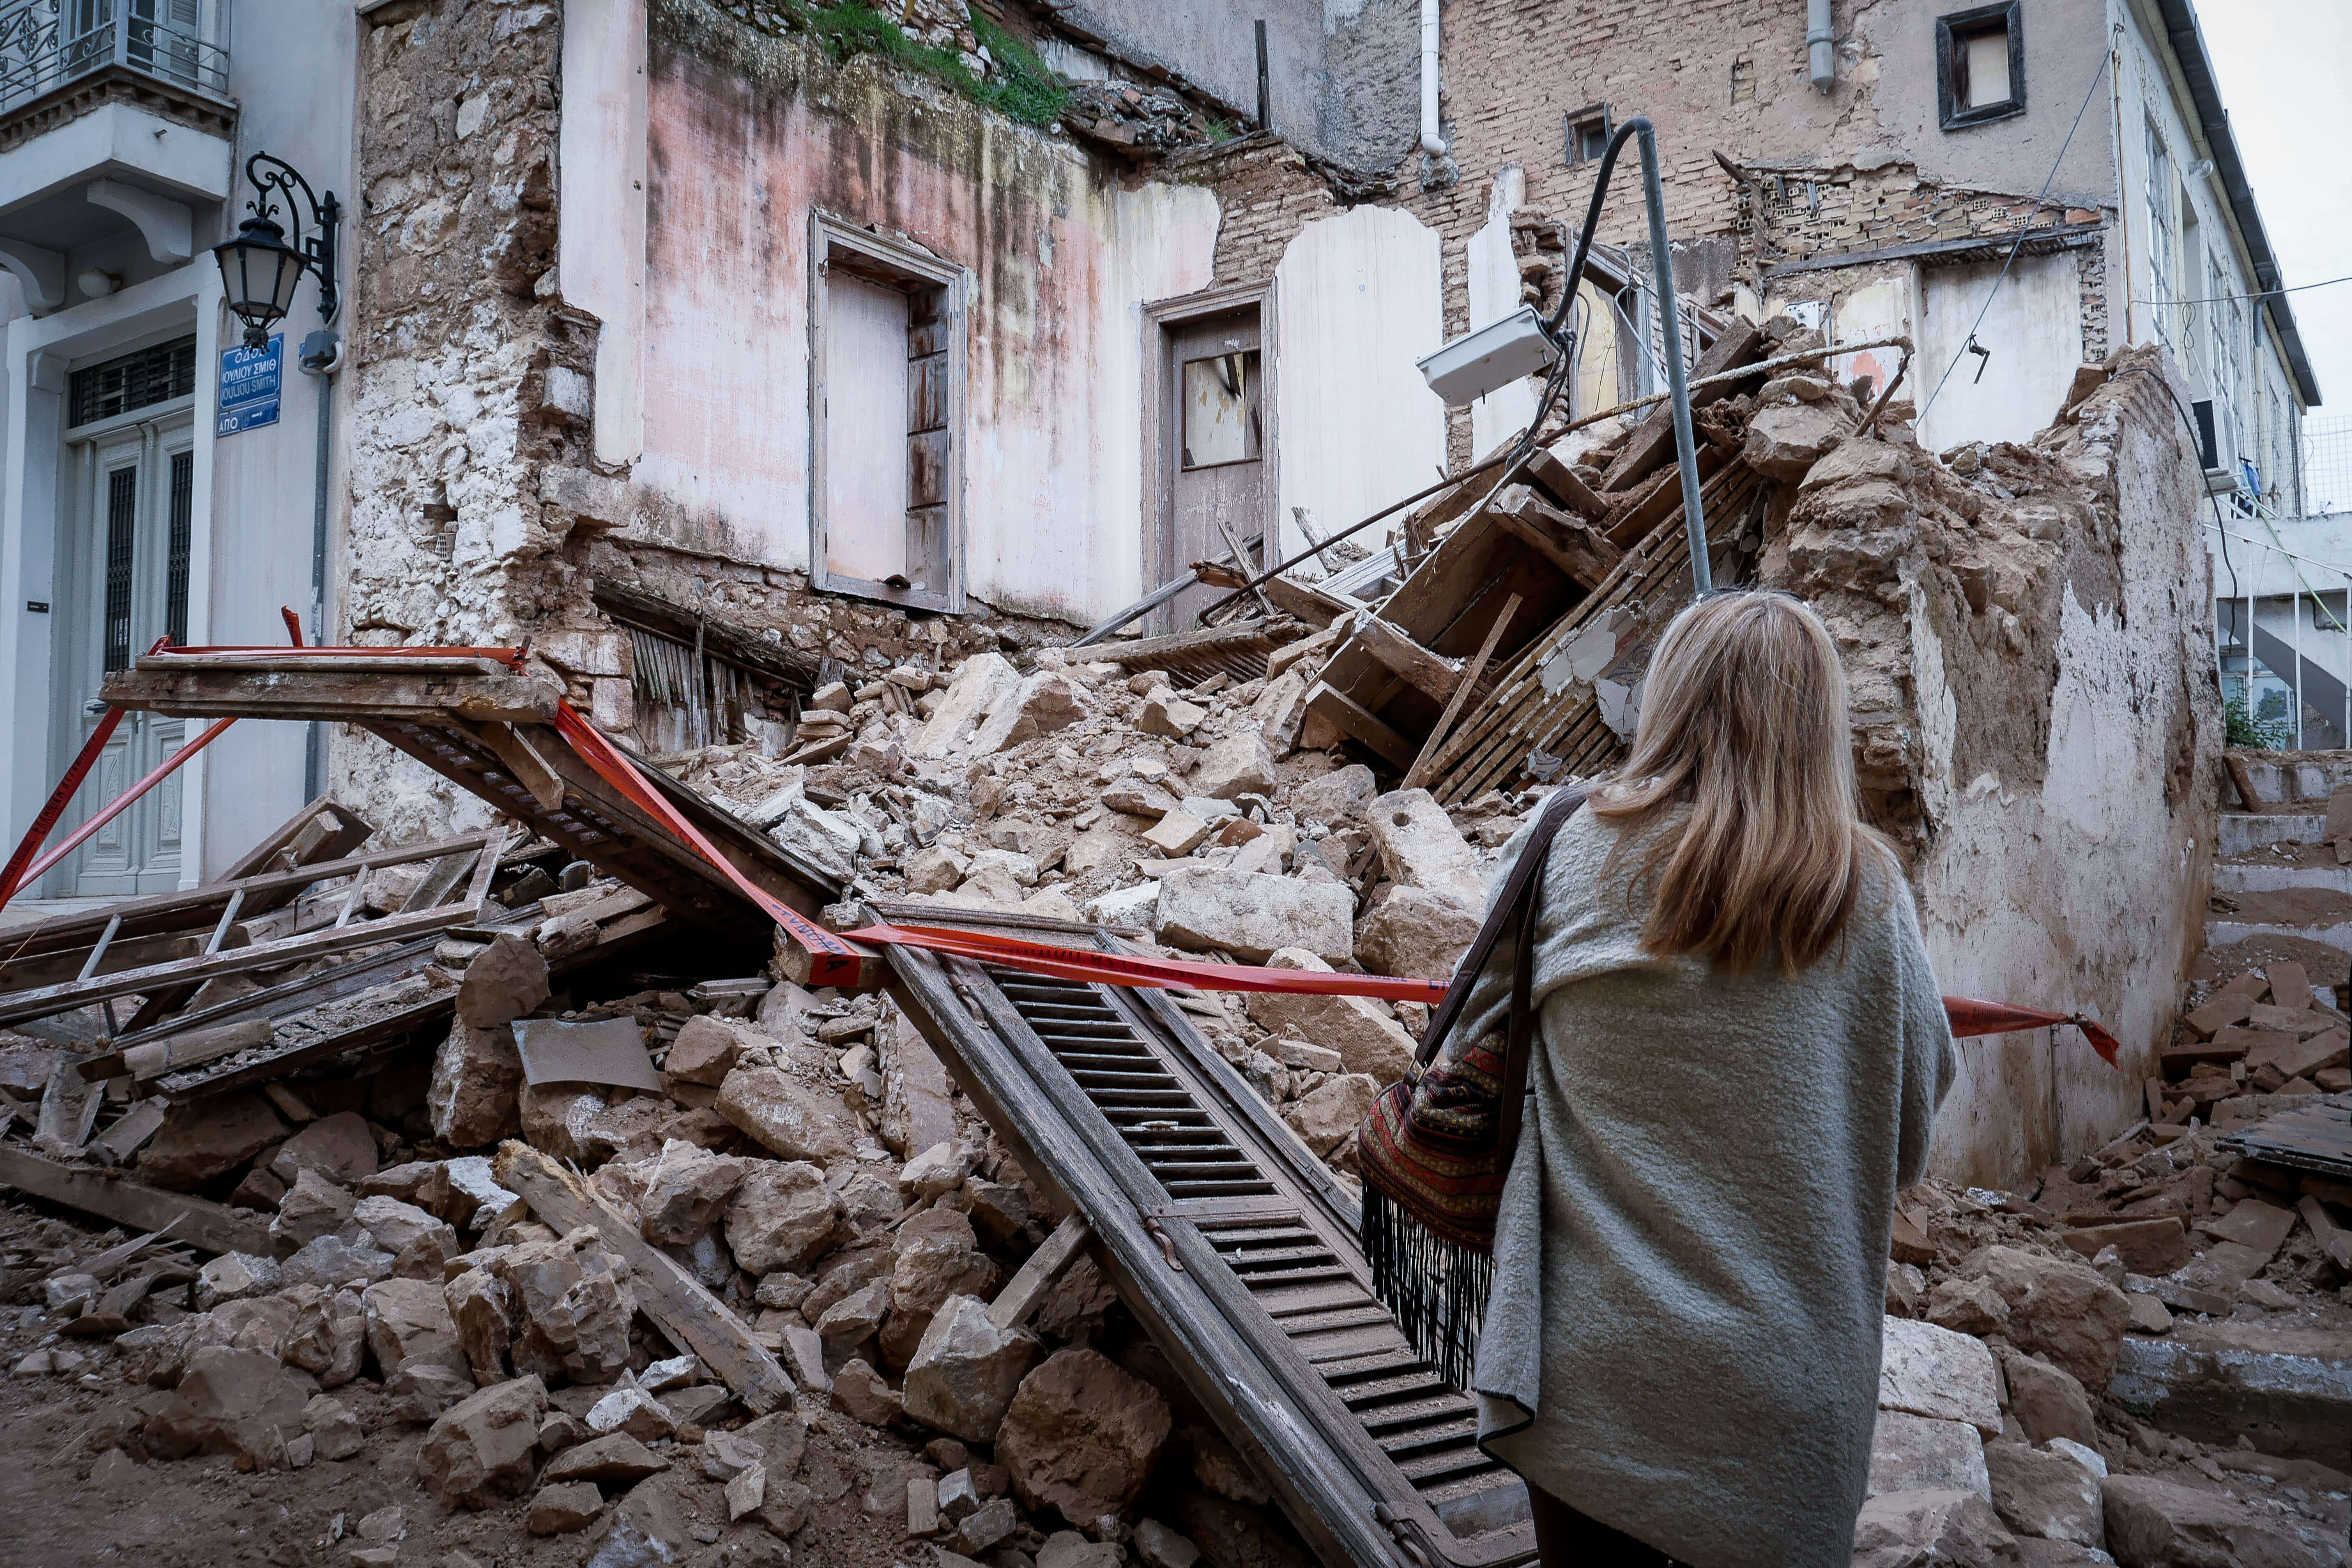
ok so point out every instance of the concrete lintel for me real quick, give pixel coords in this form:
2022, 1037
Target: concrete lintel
113, 140
168, 226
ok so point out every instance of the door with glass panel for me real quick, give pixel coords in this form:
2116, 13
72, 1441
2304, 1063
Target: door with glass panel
126, 558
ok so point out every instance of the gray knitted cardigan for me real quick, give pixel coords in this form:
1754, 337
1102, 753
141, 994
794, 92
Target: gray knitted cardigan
1682, 1340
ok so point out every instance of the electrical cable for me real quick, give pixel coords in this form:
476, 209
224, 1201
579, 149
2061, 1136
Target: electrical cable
2039, 201
2265, 294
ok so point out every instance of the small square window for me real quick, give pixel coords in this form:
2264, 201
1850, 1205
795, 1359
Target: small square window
1980, 65
1588, 133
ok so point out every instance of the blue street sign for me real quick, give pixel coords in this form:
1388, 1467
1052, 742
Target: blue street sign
248, 386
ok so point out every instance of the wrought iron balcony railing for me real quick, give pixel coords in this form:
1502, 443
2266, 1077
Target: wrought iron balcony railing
48, 44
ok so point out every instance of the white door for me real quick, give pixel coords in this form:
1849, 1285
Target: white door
135, 512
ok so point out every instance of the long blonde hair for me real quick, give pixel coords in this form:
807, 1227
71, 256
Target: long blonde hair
1744, 721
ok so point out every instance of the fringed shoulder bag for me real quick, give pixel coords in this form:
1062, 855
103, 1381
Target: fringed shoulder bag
1438, 1144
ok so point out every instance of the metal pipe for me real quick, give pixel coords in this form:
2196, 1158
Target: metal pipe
1662, 263
1820, 44
1141, 608
1431, 141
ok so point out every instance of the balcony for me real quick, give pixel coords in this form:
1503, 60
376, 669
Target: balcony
59, 58
116, 128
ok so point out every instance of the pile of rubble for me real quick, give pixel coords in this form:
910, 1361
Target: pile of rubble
2036, 1341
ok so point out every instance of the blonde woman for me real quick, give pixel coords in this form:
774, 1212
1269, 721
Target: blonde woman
1740, 1053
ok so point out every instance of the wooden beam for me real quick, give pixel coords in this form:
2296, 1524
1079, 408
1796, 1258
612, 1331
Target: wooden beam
1432, 673
522, 759
691, 1316
1027, 1288
298, 690
1304, 600
1343, 711
1560, 481
1654, 442
1416, 775
1582, 553
199, 1222
722, 639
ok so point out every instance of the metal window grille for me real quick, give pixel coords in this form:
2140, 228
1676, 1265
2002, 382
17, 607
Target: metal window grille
135, 381
180, 541
121, 522
2326, 466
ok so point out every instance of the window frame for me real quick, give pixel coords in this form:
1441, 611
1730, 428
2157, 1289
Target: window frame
1575, 119
829, 235
1952, 30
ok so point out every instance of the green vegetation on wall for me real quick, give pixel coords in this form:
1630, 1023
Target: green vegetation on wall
1019, 87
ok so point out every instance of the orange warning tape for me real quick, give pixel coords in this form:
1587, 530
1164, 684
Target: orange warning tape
1973, 1018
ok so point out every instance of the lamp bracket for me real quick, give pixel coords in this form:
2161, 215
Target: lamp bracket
273, 177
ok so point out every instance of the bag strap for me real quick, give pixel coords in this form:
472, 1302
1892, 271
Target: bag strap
1515, 901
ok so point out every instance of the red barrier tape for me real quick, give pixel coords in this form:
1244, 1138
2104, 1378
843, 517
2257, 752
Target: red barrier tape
16, 876
833, 961
1120, 969
1972, 1018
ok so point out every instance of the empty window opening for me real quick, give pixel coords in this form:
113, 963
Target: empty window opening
1980, 65
888, 368
1221, 410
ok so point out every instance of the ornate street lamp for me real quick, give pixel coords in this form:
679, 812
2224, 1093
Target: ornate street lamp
260, 268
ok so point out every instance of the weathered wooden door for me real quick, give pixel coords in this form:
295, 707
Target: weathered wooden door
1215, 441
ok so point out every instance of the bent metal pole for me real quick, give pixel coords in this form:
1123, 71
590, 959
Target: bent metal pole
1670, 349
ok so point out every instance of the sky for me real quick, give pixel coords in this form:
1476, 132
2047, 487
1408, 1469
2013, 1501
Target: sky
2285, 71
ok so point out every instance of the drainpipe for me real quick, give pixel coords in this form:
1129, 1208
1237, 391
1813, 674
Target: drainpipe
1431, 141
1820, 39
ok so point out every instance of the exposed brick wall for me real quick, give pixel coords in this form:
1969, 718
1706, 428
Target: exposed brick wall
1267, 193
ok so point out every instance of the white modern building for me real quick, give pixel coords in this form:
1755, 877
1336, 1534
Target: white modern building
135, 502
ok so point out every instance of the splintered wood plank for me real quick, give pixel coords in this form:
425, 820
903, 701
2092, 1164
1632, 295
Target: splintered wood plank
1028, 1287
327, 694
1361, 725
1433, 673
689, 1314
1654, 442
199, 1222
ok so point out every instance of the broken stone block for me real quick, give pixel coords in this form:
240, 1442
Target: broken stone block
1968, 1306
331, 1261
704, 1052
2047, 1402
616, 1459
1165, 713
1416, 933
2150, 1246
1419, 847
339, 1147
1236, 765
644, 1528
936, 870
1339, 797
483, 1310
1940, 1527
778, 1113
938, 1256
1924, 1370
965, 1369
726, 1455
1324, 1118
856, 1317
395, 1227
565, 1507
1043, 703
782, 1217
565, 934
202, 1140
936, 1171
1914, 1453
985, 1527
1068, 1549
259, 1190
1176, 833
631, 1412
1361, 1033
2045, 1495
503, 983
678, 1193
745, 1491
421, 1390
860, 1394
480, 1449
1786, 441
2154, 1522
1252, 917
335, 1431
234, 1275
984, 679
408, 1321
575, 1306
1080, 1435
229, 1401
474, 1098
476, 1202
2064, 1310
1160, 1547
313, 1207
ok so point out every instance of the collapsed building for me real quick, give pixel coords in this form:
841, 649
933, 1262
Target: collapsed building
781, 389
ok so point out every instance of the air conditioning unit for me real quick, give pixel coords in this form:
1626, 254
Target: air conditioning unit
1493, 357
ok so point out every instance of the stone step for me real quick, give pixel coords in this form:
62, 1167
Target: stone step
2243, 832
2221, 930
2262, 877
2311, 777
2287, 1383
